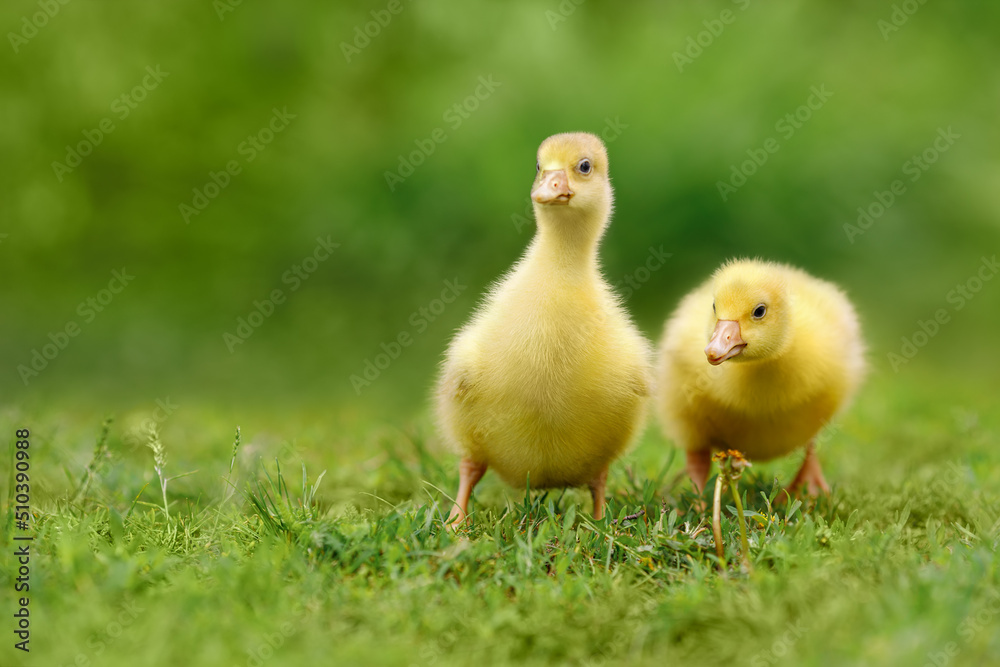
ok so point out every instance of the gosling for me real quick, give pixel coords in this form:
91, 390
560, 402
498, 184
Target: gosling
547, 384
758, 359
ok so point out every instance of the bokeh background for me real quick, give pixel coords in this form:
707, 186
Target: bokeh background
676, 128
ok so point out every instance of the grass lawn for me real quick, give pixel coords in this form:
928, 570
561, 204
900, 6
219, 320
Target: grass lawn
259, 567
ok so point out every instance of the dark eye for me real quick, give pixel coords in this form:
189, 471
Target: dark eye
713, 307
584, 166
538, 167
759, 311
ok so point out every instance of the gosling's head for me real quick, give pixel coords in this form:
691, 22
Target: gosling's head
750, 318
572, 176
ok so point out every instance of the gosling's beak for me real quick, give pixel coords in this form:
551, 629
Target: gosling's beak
726, 342
553, 188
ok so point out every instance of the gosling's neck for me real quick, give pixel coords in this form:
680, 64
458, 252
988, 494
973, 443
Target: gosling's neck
568, 239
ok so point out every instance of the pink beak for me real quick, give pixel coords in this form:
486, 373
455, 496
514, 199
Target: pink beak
725, 343
552, 188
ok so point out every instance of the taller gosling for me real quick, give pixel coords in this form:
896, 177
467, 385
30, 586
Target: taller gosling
547, 384
759, 358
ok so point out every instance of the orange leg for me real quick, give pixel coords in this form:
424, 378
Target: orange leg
469, 474
810, 475
597, 486
699, 465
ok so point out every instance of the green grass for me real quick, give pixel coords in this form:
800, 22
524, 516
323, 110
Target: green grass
266, 560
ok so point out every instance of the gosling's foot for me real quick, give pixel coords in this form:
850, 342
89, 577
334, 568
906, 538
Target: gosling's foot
469, 474
597, 488
810, 476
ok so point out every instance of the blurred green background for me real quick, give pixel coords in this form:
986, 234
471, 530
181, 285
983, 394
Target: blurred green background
676, 128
